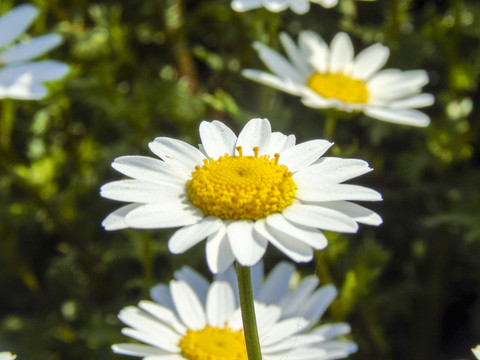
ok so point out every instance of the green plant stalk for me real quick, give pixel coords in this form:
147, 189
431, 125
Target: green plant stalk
248, 312
330, 125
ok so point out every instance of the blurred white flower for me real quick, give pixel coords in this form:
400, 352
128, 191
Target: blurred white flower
7, 356
331, 77
195, 320
476, 351
20, 78
298, 6
241, 194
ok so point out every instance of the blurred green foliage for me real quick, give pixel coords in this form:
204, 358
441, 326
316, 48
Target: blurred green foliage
140, 69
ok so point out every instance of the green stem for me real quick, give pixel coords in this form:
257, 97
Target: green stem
147, 265
7, 122
330, 124
248, 312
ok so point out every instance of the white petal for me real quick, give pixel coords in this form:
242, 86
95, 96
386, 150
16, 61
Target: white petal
274, 81
331, 331
137, 350
325, 3
217, 139
369, 61
297, 341
116, 220
159, 216
161, 294
247, 248
189, 307
293, 303
279, 143
245, 5
196, 281
319, 303
143, 192
276, 284
267, 317
164, 314
341, 55
178, 153
188, 236
31, 49
256, 132
23, 87
307, 235
284, 329
294, 54
315, 50
45, 70
356, 212
275, 5
403, 117
331, 170
278, 64
148, 169
300, 6
220, 304
218, 252
416, 101
15, 22
335, 192
296, 250
304, 154
158, 339
392, 84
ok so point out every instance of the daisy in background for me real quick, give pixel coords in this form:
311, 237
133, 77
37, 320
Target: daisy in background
241, 194
282, 288
20, 77
476, 351
7, 356
194, 320
298, 6
331, 77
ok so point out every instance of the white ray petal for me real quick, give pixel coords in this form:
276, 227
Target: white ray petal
164, 314
159, 216
256, 132
403, 117
304, 154
335, 192
220, 304
188, 306
218, 251
341, 55
15, 22
116, 219
30, 49
276, 285
369, 61
217, 139
315, 50
247, 248
294, 54
188, 236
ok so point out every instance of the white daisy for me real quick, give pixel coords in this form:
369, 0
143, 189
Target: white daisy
298, 6
197, 326
303, 299
7, 356
332, 78
476, 351
241, 193
20, 78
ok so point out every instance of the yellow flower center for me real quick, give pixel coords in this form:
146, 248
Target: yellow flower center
213, 343
241, 187
340, 87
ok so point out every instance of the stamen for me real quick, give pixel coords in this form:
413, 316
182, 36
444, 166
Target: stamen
255, 151
277, 156
239, 149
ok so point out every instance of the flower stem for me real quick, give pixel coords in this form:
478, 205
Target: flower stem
329, 127
248, 312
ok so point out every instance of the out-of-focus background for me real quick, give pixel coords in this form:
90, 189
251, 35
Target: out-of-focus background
140, 69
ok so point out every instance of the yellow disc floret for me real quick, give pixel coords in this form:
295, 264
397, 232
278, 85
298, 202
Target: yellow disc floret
340, 87
213, 343
241, 187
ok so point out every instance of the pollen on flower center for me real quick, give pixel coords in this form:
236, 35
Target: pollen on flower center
213, 343
241, 187
340, 87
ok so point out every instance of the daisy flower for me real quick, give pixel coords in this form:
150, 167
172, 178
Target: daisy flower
298, 6
21, 78
241, 194
476, 351
7, 356
295, 298
331, 77
191, 325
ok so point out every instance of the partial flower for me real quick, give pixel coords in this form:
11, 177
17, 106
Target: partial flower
197, 321
241, 194
331, 77
20, 77
282, 288
298, 6
476, 351
7, 356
